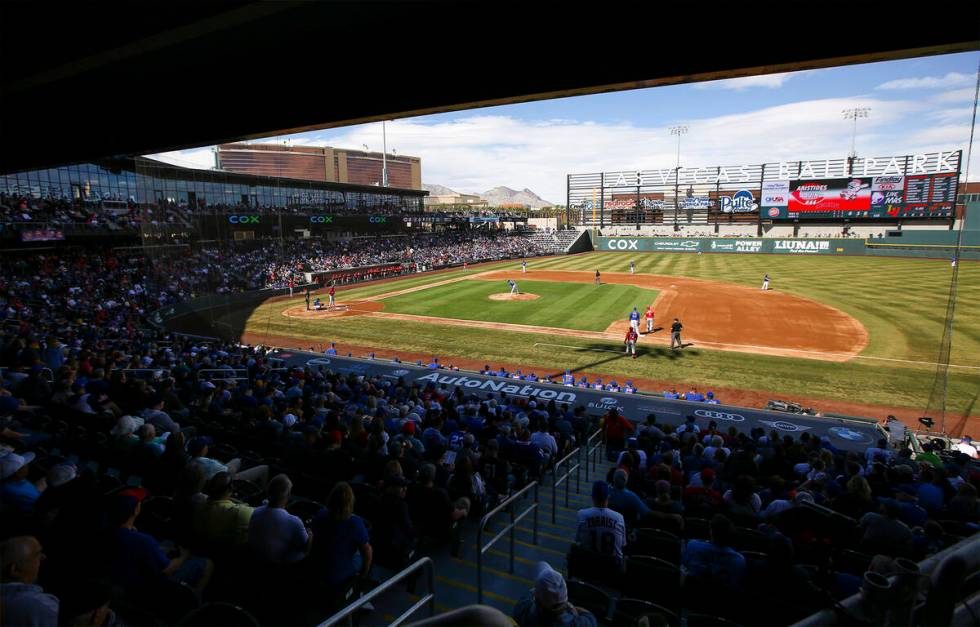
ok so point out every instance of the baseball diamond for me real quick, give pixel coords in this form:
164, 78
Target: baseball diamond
808, 339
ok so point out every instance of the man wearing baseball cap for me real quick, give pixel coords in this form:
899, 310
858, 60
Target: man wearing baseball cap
547, 603
16, 492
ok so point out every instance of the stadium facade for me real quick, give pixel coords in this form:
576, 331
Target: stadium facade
142, 181
316, 163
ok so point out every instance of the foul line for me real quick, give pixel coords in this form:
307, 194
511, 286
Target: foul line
795, 350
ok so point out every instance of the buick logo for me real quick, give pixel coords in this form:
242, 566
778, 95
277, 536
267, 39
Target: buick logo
849, 434
719, 415
401, 372
318, 361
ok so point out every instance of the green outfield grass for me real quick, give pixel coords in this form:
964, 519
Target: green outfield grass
902, 303
564, 305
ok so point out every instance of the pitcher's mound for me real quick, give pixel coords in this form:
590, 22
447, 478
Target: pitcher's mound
509, 296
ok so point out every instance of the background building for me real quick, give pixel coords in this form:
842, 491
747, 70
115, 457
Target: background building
455, 201
320, 163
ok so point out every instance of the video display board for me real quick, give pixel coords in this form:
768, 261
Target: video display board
856, 197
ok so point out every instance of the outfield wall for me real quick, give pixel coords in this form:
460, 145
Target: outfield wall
921, 244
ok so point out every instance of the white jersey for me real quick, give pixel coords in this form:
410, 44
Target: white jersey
601, 530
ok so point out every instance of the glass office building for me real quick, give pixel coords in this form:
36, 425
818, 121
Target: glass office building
143, 181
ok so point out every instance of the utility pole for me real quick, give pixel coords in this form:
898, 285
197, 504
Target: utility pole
853, 114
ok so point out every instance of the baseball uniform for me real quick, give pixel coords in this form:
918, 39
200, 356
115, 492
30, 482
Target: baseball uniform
635, 320
513, 287
601, 530
331, 294
765, 282
632, 267
630, 341
649, 317
597, 280
523, 266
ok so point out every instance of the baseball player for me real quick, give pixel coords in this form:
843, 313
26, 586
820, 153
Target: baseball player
629, 389
630, 341
598, 281
632, 268
331, 294
649, 316
675, 334
635, 320
765, 282
524, 266
568, 378
513, 286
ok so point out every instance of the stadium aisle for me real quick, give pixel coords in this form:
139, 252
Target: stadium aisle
456, 577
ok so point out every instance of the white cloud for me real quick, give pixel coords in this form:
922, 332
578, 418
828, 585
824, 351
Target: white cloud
198, 158
957, 95
951, 79
476, 153
771, 81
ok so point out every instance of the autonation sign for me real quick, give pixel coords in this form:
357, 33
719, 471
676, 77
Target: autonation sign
851, 434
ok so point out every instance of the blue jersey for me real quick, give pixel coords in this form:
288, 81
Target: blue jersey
635, 315
568, 379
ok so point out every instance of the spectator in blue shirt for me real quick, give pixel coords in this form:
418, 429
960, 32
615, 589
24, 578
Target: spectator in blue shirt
341, 548
624, 500
715, 561
16, 492
333, 349
711, 398
24, 602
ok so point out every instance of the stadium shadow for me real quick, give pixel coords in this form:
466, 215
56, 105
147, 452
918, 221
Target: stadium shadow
656, 352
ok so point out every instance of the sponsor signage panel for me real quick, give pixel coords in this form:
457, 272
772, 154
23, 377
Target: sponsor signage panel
856, 197
732, 245
847, 435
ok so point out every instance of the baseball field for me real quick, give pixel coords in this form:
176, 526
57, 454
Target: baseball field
853, 335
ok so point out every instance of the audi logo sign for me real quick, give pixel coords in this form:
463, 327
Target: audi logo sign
718, 415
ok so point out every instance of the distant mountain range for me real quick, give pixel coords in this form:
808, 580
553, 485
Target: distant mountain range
498, 196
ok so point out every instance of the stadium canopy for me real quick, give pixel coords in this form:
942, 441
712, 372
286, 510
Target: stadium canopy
82, 81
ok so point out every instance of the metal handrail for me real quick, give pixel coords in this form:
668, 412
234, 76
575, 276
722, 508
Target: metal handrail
566, 478
514, 519
425, 564
592, 447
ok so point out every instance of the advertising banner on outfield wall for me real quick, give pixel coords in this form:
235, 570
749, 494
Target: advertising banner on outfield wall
732, 245
851, 435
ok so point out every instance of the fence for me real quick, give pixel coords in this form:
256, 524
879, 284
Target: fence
429, 598
593, 446
566, 479
514, 519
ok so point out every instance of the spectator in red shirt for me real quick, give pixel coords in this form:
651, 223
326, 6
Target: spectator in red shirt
614, 432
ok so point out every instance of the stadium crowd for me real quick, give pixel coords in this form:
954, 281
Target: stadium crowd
153, 471
763, 520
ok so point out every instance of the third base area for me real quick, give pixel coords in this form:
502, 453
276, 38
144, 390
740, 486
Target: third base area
846, 434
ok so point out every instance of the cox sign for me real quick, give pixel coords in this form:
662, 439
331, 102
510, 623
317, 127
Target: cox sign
378, 219
243, 219
622, 244
321, 219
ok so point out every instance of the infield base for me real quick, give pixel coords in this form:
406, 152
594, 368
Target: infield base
509, 296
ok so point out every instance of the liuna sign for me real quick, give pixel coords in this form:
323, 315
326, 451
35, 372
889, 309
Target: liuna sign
732, 245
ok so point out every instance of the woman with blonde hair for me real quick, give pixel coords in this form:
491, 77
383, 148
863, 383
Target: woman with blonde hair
857, 501
341, 546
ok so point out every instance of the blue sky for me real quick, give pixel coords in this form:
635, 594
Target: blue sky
917, 105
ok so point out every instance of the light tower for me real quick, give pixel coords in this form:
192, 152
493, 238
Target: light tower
853, 114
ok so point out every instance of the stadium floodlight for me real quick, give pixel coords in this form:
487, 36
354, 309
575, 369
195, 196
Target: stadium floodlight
853, 114
384, 156
680, 129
